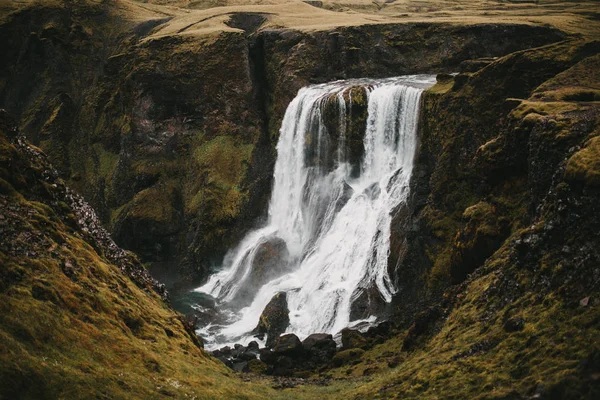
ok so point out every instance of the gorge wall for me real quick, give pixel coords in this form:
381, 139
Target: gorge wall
171, 138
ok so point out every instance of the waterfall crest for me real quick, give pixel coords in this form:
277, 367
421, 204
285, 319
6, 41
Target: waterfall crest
332, 227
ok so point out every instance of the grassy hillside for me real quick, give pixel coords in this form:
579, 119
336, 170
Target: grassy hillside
78, 317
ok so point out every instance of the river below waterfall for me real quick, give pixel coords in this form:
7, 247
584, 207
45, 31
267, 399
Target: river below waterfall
326, 242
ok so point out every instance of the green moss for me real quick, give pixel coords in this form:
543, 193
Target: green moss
347, 356
542, 108
154, 204
441, 87
584, 166
223, 164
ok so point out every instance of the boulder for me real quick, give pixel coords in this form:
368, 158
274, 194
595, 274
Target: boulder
319, 347
288, 345
284, 366
267, 356
274, 319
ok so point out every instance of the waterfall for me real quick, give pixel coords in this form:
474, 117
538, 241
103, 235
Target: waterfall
331, 230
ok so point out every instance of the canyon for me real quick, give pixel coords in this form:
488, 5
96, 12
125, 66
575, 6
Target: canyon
160, 121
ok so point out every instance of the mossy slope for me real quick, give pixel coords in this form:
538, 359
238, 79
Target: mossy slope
73, 324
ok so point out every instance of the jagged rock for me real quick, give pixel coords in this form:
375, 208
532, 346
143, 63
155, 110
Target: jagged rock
274, 319
352, 339
372, 191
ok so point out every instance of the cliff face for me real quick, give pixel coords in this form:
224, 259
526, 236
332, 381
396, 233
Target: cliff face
171, 138
486, 165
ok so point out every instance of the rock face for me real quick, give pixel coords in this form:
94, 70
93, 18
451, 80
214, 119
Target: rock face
171, 139
274, 320
480, 178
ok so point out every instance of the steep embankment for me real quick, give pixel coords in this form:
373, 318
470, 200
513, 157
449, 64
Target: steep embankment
166, 121
79, 317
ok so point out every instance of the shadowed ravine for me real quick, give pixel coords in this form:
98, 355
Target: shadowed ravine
331, 226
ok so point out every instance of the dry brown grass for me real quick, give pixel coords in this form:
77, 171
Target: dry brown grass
210, 15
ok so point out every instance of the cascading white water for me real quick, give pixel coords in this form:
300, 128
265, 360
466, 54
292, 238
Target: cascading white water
338, 238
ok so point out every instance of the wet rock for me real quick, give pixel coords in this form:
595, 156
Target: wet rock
274, 319
443, 77
368, 302
352, 339
372, 191
249, 354
270, 261
345, 195
267, 356
239, 366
